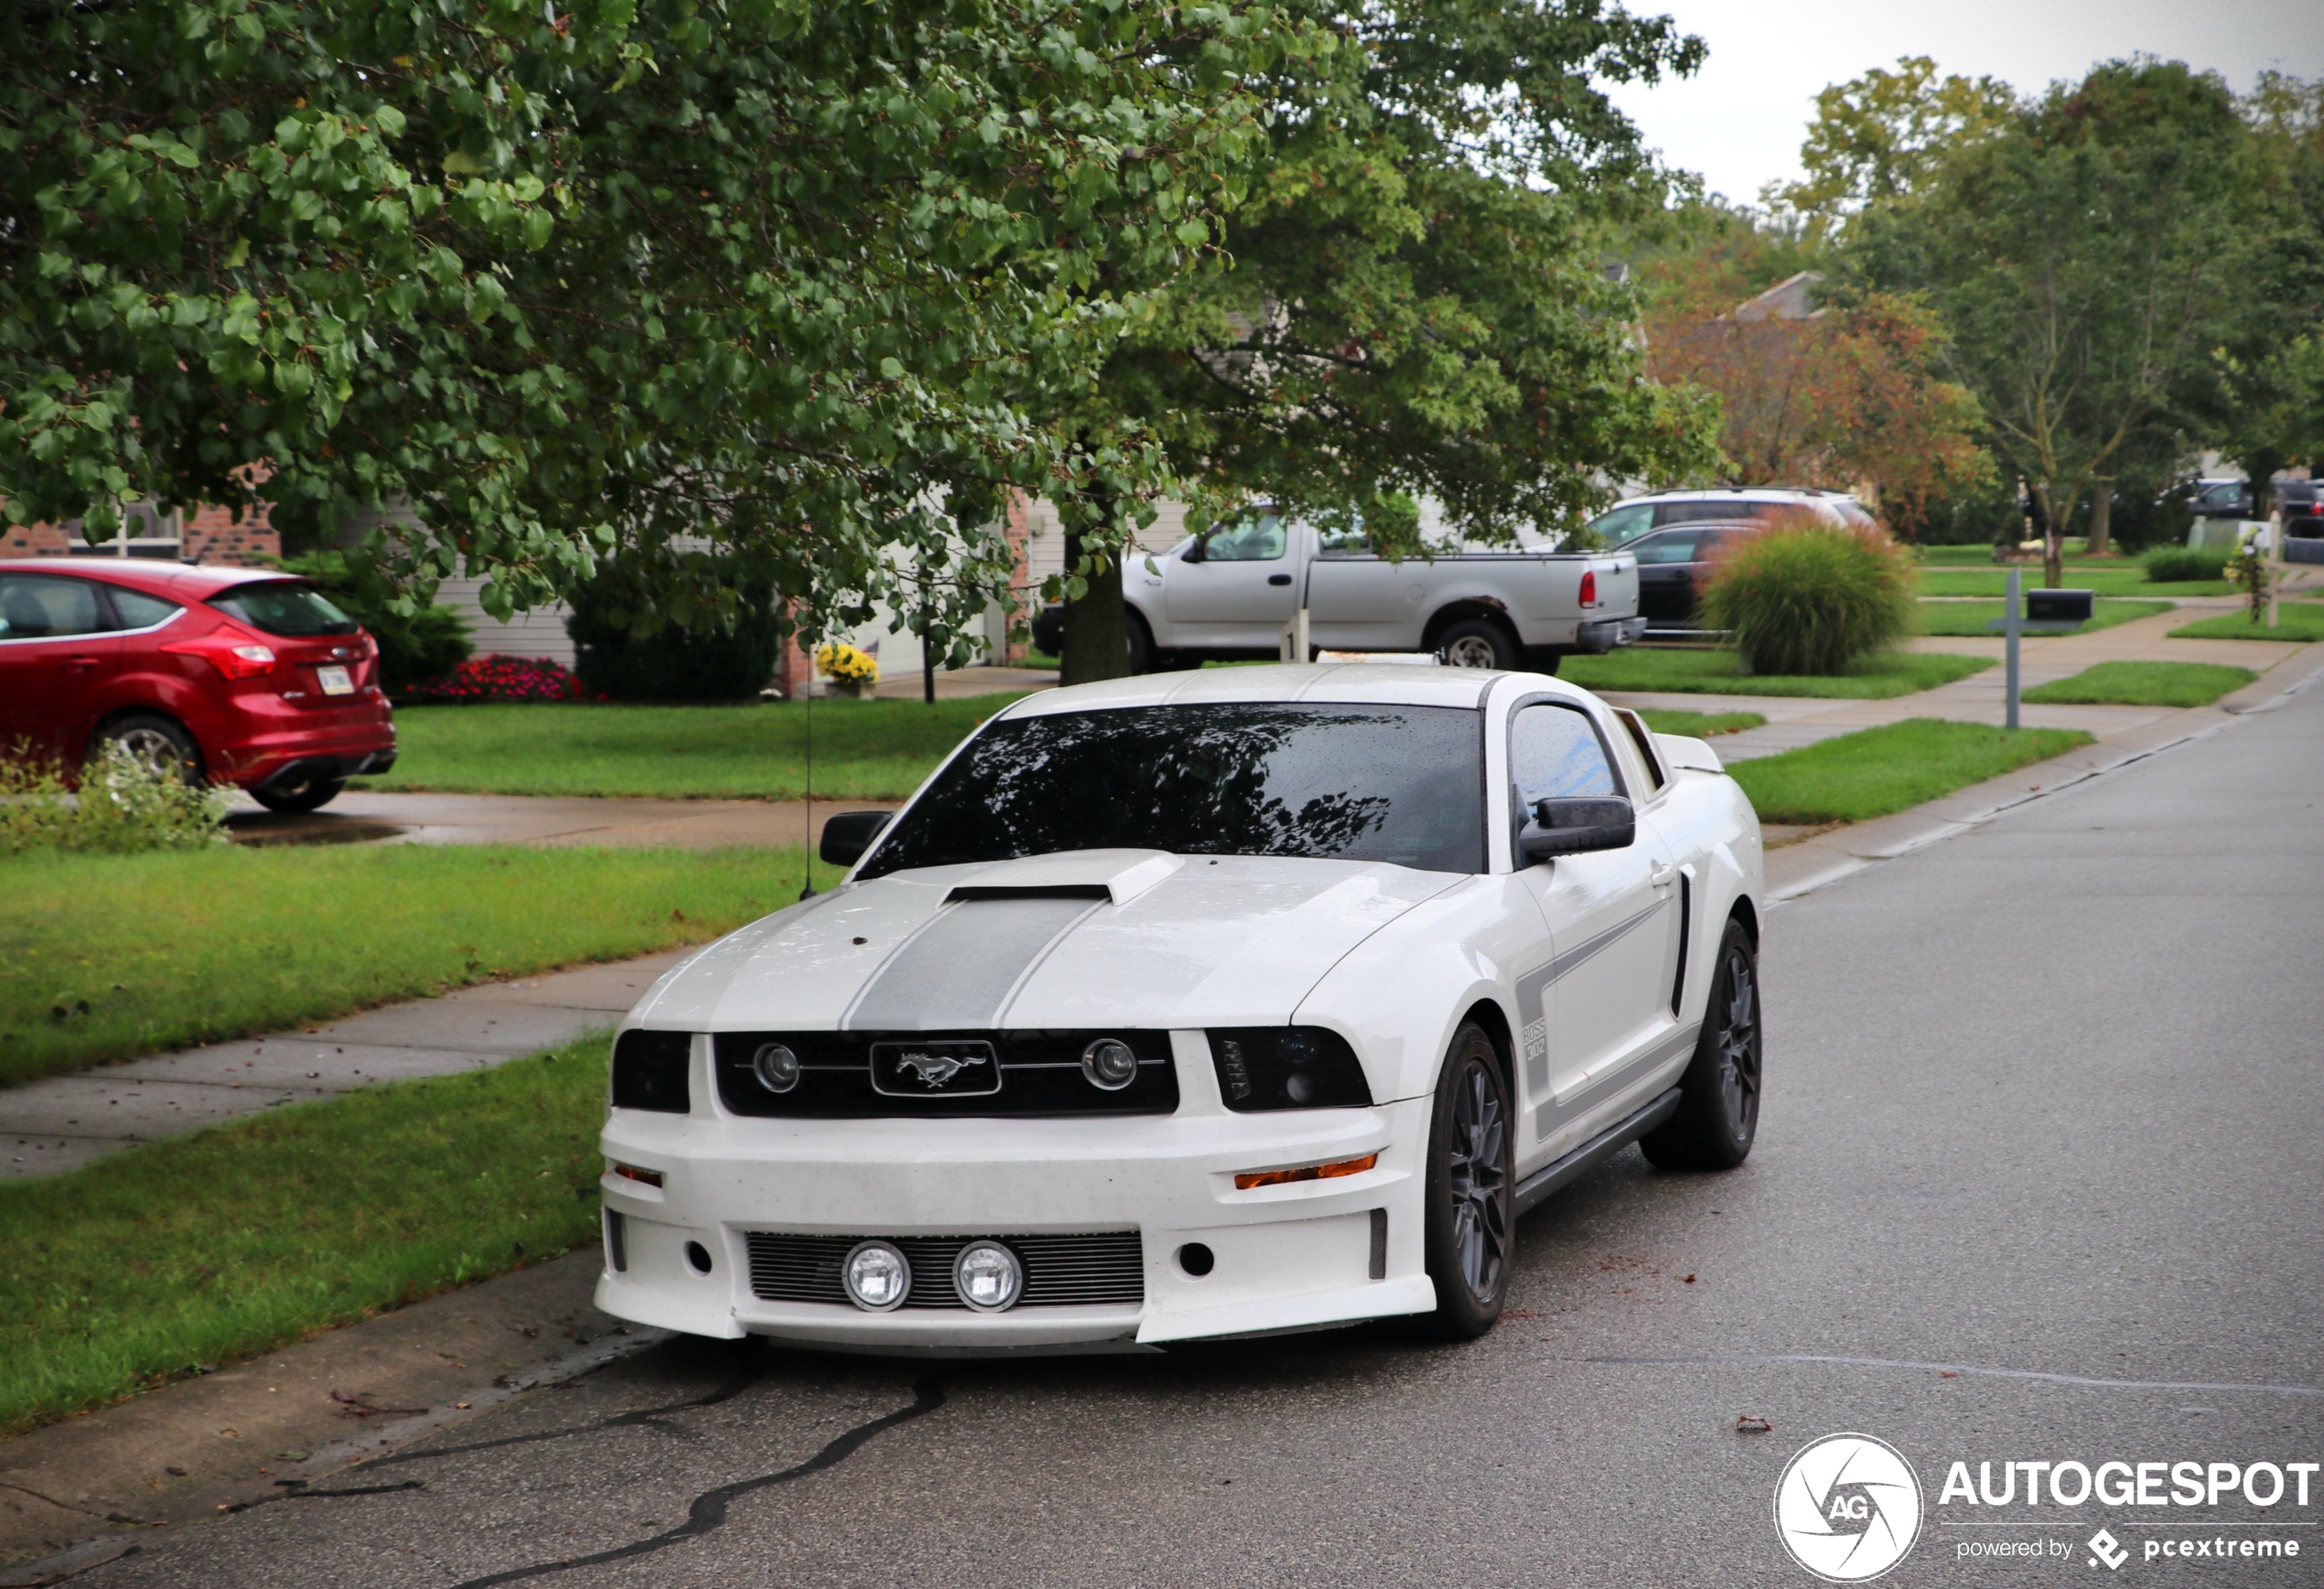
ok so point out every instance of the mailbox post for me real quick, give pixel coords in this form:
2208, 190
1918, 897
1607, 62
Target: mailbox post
2010, 621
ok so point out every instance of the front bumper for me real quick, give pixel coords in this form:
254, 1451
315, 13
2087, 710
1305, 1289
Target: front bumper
1285, 1256
1602, 635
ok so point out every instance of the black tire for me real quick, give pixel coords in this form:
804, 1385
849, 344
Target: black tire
1470, 1213
1718, 1111
1480, 643
1141, 642
160, 743
312, 795
1543, 660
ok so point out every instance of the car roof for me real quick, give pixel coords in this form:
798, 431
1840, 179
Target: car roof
186, 582
1327, 683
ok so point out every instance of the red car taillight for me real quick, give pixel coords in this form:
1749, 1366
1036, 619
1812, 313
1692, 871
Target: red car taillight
1589, 587
232, 652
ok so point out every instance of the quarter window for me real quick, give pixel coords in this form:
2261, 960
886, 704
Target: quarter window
1555, 752
137, 611
37, 607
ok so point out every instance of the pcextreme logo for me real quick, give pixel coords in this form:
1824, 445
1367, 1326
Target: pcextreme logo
1849, 1508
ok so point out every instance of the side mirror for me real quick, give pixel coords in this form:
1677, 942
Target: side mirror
1198, 553
1571, 826
849, 834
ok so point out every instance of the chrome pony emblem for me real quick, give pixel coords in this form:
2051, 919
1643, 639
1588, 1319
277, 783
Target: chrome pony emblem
946, 1066
935, 1070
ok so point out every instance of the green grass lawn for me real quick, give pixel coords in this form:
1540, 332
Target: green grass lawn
2121, 579
1876, 771
2143, 685
2292, 623
1701, 724
1714, 672
1974, 618
866, 749
244, 1237
104, 957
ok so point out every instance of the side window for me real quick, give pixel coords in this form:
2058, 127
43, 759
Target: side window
1259, 540
137, 611
1555, 752
1671, 546
1649, 759
37, 607
1624, 523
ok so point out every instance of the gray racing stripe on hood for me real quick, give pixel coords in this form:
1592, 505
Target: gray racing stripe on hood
958, 971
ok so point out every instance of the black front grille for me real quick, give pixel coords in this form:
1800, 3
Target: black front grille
1040, 1074
1103, 1269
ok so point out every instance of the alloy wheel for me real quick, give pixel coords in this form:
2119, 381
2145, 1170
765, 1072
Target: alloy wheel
1738, 1041
1471, 652
153, 750
1477, 1175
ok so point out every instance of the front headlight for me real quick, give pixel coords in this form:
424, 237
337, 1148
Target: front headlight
1266, 1067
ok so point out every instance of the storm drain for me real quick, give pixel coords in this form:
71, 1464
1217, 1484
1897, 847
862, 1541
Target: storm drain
1103, 1270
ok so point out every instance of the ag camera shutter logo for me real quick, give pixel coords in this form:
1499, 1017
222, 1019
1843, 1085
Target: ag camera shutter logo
1849, 1508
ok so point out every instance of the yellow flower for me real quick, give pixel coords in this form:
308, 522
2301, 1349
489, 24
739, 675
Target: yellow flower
842, 660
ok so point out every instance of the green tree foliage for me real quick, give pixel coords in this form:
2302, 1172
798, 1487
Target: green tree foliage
1878, 138
671, 663
1415, 302
2086, 259
773, 275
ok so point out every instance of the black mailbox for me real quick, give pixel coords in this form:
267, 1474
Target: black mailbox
2057, 607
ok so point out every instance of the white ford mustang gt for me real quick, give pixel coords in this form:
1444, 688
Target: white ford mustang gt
1196, 1004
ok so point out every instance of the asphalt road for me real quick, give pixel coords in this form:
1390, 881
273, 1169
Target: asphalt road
2043, 1112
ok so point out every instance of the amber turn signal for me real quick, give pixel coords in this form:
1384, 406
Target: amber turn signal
1312, 1172
631, 1173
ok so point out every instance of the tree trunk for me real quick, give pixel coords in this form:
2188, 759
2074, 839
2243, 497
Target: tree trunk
2102, 505
2048, 521
1097, 626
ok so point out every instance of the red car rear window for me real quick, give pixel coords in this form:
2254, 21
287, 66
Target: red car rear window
284, 607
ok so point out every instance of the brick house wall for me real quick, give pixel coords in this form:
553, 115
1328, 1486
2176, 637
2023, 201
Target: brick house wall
204, 535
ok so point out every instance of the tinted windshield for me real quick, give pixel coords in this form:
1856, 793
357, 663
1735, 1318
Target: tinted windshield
285, 608
1403, 784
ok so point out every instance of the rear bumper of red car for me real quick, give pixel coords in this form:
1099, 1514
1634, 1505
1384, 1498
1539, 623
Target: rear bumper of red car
270, 752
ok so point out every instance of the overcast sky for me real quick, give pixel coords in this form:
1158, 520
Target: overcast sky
1738, 122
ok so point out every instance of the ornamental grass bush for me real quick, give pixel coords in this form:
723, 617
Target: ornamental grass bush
122, 806
1806, 597
2175, 564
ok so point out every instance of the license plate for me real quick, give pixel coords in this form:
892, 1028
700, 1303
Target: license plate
335, 680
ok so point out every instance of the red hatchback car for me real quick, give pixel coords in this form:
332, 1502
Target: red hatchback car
233, 675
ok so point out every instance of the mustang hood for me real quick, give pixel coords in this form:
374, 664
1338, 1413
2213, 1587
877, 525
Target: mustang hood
1095, 938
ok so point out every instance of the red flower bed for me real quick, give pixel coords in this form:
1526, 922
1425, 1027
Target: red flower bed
496, 678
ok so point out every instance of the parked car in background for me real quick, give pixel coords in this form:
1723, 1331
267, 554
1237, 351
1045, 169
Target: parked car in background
1671, 566
2301, 503
1632, 517
1257, 1000
2220, 499
230, 675
1227, 593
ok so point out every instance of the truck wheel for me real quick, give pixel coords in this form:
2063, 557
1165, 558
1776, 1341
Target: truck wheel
1478, 643
1545, 660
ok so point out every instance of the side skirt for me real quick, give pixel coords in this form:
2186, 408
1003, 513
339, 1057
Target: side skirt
1538, 1186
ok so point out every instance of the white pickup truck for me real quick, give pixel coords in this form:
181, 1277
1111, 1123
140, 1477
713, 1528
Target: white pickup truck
1233, 592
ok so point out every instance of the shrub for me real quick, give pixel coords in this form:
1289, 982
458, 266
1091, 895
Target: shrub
496, 678
2172, 564
123, 805
1801, 596
674, 663
427, 645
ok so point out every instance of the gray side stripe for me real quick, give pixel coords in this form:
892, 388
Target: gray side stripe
959, 970
1673, 1045
1534, 985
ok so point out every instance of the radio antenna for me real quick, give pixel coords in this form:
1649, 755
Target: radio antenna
807, 861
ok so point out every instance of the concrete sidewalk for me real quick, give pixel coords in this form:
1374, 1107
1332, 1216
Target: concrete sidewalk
65, 1122
1793, 721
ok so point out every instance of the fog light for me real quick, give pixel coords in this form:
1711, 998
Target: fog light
988, 1276
776, 1067
1110, 1064
877, 1277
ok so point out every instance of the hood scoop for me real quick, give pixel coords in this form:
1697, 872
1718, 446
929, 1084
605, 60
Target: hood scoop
1116, 877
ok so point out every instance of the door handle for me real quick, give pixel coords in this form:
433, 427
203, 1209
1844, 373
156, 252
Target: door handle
79, 664
1278, 579
1661, 875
